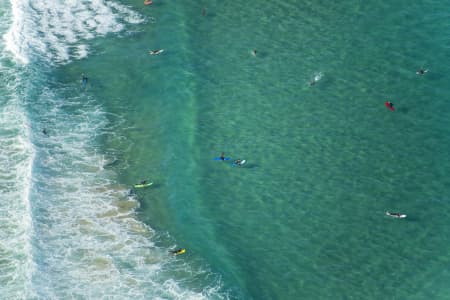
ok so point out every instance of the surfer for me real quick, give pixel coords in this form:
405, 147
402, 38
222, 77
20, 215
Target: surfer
390, 104
254, 52
222, 156
178, 251
45, 132
421, 71
156, 52
238, 162
148, 2
395, 214
143, 184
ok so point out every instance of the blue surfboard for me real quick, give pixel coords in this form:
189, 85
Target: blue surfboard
218, 158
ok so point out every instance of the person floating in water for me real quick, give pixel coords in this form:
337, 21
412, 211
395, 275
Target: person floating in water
421, 71
45, 132
156, 52
84, 80
315, 79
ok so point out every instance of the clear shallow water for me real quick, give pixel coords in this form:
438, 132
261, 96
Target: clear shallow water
303, 219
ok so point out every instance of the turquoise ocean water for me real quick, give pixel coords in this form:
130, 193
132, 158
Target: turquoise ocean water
303, 219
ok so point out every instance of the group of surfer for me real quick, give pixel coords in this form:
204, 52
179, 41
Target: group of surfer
146, 183
84, 81
421, 71
390, 105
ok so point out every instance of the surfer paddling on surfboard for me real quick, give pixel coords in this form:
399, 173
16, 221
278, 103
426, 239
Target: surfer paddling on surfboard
239, 162
222, 157
156, 52
143, 184
178, 251
395, 215
389, 105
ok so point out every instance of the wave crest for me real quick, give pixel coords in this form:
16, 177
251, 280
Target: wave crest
57, 30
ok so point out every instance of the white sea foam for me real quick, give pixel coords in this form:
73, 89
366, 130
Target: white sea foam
57, 30
89, 243
68, 230
16, 157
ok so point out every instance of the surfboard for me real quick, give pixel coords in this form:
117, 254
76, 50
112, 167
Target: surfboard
143, 185
401, 216
148, 2
218, 158
387, 103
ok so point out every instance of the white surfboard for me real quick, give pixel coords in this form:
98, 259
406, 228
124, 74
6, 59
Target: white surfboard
395, 215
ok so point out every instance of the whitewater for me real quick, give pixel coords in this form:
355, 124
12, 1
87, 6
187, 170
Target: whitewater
68, 228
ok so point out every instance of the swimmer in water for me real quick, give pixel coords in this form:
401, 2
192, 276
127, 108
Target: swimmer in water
45, 132
421, 71
84, 80
315, 79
